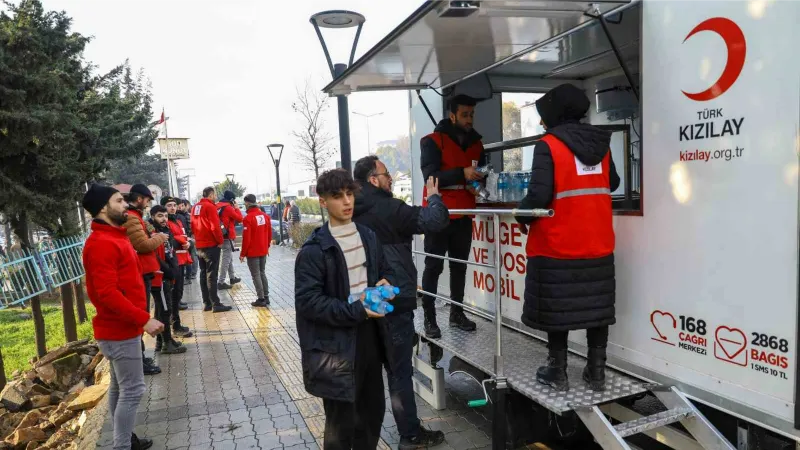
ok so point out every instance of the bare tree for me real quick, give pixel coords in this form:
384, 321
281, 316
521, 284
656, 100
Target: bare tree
312, 139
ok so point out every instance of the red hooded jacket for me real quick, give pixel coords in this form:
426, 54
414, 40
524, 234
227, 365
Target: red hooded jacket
114, 283
230, 217
205, 224
257, 233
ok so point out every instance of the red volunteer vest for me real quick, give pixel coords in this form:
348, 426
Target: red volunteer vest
454, 197
582, 225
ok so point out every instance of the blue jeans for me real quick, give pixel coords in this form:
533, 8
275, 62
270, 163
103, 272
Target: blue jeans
400, 371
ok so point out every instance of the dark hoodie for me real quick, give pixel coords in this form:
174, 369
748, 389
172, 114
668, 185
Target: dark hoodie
561, 110
431, 153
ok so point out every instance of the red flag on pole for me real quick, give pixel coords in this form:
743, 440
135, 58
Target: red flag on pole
162, 117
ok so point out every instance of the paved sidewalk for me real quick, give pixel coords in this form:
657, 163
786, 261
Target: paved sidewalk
239, 385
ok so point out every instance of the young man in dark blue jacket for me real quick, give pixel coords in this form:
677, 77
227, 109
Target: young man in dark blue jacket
395, 223
343, 345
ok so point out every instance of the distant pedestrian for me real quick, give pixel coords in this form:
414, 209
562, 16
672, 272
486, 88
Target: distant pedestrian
117, 291
163, 283
207, 231
286, 210
183, 259
230, 215
294, 213
183, 216
256, 237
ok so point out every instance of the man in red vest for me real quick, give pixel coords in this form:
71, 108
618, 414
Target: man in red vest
569, 283
450, 154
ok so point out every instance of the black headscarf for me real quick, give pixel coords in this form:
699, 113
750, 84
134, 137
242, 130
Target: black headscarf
563, 104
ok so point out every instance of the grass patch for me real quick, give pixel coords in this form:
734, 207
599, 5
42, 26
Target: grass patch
17, 338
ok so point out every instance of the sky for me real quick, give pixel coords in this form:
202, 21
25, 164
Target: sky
226, 72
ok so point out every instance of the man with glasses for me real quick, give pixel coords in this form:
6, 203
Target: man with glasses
395, 223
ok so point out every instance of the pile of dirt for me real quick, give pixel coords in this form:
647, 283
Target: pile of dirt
46, 406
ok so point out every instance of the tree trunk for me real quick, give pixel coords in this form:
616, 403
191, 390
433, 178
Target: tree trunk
2, 372
38, 326
80, 301
68, 312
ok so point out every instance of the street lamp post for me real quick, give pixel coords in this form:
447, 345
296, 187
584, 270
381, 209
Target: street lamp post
277, 161
368, 116
340, 19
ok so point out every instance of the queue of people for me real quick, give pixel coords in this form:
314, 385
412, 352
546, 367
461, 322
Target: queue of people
346, 344
130, 260
367, 243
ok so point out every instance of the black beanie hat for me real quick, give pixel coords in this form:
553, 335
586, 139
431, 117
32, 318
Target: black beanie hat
97, 197
564, 103
229, 196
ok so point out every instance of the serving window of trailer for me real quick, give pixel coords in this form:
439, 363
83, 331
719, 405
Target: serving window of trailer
520, 120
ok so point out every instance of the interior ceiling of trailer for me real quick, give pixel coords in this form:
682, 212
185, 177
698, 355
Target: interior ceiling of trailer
429, 50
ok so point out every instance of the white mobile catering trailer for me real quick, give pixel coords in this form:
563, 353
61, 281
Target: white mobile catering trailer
703, 98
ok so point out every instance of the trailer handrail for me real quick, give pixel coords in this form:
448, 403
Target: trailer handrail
497, 318
536, 212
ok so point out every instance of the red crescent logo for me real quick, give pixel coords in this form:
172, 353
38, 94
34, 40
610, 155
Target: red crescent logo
737, 49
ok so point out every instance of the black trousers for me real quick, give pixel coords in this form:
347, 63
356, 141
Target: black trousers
455, 241
177, 296
400, 371
595, 338
162, 296
209, 270
357, 426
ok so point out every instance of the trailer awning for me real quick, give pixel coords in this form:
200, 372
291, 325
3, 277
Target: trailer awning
444, 42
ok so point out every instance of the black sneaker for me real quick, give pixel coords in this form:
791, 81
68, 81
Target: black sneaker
159, 343
423, 439
235, 280
149, 361
151, 369
221, 308
432, 330
181, 331
183, 306
170, 348
187, 280
138, 443
260, 302
223, 286
459, 320
207, 308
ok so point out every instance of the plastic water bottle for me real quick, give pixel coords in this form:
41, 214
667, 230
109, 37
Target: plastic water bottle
502, 187
526, 180
482, 192
516, 186
373, 298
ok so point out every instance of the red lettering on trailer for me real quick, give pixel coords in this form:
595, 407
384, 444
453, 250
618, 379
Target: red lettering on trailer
770, 358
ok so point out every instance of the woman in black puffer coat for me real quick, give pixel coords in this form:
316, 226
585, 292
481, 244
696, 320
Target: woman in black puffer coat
569, 283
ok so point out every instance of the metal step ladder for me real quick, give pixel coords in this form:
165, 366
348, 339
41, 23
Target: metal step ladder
679, 409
